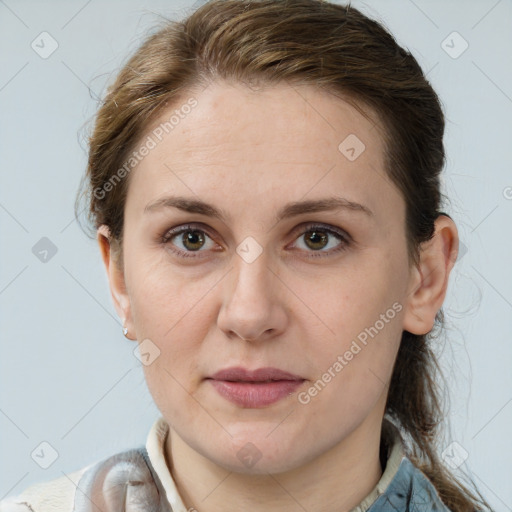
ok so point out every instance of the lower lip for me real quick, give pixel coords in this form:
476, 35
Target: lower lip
255, 394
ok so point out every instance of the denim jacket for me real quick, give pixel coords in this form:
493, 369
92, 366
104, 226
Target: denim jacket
138, 480
411, 491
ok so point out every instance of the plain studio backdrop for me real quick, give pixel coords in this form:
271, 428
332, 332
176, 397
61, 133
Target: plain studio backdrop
71, 381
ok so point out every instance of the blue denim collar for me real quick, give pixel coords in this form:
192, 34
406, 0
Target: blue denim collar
409, 491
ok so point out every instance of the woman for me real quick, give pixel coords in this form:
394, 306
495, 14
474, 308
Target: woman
264, 182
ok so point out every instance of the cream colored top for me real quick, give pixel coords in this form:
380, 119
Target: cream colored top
58, 494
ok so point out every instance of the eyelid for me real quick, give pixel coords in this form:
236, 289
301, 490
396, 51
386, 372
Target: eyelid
311, 226
191, 226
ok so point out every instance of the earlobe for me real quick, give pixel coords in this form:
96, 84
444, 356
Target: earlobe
115, 277
429, 280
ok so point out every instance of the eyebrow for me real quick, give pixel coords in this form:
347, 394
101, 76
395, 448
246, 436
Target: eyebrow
292, 209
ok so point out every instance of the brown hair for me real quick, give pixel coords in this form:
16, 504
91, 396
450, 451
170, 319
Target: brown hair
323, 44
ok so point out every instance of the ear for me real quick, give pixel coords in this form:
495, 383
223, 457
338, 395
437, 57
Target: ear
116, 280
429, 280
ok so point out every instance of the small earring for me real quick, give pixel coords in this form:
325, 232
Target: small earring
125, 331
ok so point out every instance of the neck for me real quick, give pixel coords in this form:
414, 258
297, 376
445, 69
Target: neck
337, 480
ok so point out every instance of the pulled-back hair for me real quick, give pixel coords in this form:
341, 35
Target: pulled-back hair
312, 42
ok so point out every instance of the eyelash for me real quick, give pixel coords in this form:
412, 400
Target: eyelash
344, 238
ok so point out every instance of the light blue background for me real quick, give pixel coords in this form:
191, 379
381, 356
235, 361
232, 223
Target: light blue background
70, 378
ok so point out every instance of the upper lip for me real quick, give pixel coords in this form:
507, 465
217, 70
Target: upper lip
259, 375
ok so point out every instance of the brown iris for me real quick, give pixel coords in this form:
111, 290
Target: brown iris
194, 238
316, 237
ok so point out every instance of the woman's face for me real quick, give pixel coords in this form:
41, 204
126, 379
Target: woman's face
268, 272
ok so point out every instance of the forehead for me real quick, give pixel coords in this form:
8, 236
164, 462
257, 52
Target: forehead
298, 139
301, 118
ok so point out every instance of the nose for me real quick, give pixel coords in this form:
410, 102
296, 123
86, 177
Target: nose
254, 301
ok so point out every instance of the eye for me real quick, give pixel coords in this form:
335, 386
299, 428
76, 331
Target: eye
317, 237
189, 239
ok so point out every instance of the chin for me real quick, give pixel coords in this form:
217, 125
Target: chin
260, 462
256, 452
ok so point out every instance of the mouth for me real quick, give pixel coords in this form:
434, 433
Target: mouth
254, 388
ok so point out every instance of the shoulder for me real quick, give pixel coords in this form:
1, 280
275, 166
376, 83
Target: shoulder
99, 483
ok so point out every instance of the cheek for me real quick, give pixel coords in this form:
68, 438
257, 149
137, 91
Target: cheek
355, 300
361, 311
172, 311
167, 301
350, 378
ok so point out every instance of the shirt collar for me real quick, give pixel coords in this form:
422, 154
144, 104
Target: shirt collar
395, 452
155, 449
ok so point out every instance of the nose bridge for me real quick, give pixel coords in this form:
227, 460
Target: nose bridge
251, 275
251, 298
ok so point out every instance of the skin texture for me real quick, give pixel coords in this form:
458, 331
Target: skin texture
297, 306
